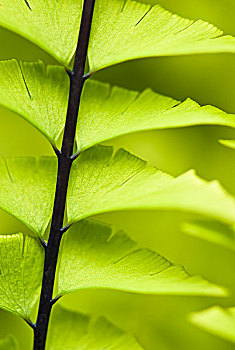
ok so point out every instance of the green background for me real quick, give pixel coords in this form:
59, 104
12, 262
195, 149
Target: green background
158, 322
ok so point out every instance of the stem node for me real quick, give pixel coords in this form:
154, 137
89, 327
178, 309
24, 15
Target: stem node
57, 151
54, 300
69, 72
65, 228
75, 155
44, 243
31, 324
87, 76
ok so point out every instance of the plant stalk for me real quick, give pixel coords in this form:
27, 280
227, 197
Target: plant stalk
65, 160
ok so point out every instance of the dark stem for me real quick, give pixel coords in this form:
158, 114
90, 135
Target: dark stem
65, 160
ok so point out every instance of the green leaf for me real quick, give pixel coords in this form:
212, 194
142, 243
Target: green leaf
8, 343
124, 29
94, 257
39, 94
21, 266
212, 231
228, 143
107, 112
102, 182
27, 188
217, 321
36, 92
52, 25
75, 331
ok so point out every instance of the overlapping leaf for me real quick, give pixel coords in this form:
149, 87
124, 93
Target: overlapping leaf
107, 112
27, 188
126, 29
94, 257
212, 231
36, 92
121, 30
218, 321
52, 25
8, 343
39, 94
74, 331
21, 266
102, 182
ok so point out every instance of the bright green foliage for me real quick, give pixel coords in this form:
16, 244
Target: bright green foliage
102, 182
21, 265
228, 143
122, 30
74, 331
126, 29
39, 94
53, 25
36, 92
27, 189
212, 231
94, 257
8, 343
107, 112
218, 321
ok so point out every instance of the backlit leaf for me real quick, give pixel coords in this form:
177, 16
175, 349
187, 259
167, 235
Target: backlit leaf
212, 231
109, 111
39, 94
102, 182
27, 188
124, 29
94, 257
74, 331
21, 266
36, 92
52, 25
217, 321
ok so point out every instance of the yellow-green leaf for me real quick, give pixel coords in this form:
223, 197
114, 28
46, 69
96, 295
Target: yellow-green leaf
217, 321
101, 182
52, 25
38, 93
27, 186
212, 231
21, 266
75, 331
92, 256
110, 111
124, 29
